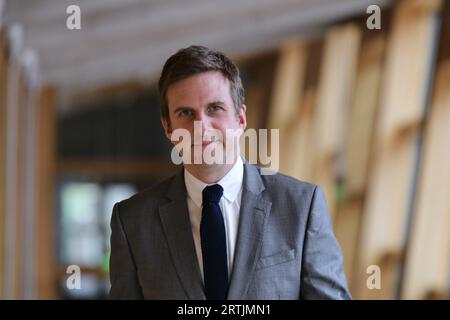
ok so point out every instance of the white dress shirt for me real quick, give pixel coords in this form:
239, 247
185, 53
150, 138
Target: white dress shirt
230, 203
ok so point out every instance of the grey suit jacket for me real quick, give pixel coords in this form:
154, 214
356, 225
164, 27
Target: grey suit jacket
285, 246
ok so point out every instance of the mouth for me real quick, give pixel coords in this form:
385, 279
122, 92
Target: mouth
204, 143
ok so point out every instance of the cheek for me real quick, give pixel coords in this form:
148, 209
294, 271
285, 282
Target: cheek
185, 129
181, 124
231, 123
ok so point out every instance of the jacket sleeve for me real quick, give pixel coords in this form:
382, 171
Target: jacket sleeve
122, 268
323, 275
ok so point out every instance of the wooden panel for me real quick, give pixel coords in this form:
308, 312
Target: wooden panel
258, 83
427, 267
405, 87
358, 147
286, 99
301, 137
45, 246
288, 83
258, 91
300, 141
3, 117
16, 172
337, 77
362, 115
12, 171
428, 257
254, 93
346, 228
15, 162
20, 187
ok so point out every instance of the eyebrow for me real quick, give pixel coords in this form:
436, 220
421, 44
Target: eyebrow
214, 103
182, 108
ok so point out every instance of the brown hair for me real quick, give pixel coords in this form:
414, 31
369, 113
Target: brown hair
194, 60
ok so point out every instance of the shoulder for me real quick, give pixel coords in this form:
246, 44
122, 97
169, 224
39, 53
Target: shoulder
147, 199
279, 182
283, 191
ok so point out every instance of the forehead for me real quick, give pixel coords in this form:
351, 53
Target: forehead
200, 89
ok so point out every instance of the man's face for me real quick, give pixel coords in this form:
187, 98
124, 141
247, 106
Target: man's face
204, 97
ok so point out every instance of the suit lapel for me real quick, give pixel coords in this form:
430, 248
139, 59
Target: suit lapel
177, 227
252, 218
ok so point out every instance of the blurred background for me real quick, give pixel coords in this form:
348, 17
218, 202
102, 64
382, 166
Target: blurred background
364, 113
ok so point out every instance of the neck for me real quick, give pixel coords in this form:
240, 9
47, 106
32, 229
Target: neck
209, 173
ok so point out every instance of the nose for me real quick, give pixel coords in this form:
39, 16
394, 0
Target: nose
205, 122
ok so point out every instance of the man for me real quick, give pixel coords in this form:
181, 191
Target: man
220, 230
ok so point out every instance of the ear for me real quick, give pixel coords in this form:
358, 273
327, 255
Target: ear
167, 128
243, 117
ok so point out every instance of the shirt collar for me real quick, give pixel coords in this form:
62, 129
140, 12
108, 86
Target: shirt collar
231, 183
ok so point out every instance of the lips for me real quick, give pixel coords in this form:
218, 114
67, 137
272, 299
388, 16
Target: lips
204, 143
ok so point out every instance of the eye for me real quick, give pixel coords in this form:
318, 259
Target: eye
214, 108
185, 113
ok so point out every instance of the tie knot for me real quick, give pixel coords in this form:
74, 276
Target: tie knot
212, 193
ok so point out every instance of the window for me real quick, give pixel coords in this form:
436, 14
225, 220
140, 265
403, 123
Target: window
85, 213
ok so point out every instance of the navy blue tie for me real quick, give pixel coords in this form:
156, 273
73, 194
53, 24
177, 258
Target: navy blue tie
214, 246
